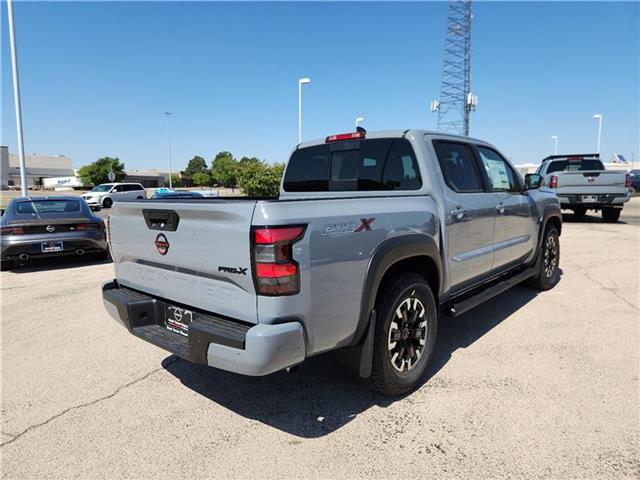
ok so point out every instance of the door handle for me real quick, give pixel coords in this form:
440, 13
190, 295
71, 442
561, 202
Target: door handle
458, 213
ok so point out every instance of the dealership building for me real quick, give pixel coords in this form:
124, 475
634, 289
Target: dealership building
39, 168
56, 171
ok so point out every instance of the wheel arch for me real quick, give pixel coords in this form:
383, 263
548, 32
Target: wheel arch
416, 253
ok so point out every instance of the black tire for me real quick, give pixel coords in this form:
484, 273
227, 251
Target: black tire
139, 198
107, 202
580, 211
6, 265
611, 215
388, 374
549, 272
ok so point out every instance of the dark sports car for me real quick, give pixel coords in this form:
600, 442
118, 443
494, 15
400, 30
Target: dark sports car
33, 227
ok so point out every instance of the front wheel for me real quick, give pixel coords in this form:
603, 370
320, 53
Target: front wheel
611, 215
549, 271
405, 334
107, 202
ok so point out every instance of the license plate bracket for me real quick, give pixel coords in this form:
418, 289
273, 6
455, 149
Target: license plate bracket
177, 319
589, 198
51, 247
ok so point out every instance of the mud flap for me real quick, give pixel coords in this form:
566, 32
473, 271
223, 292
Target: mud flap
359, 358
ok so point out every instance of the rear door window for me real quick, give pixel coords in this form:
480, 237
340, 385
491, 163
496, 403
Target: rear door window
458, 166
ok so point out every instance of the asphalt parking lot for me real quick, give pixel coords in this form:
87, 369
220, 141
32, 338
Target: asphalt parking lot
534, 385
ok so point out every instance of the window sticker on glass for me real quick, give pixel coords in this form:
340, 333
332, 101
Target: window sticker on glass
497, 171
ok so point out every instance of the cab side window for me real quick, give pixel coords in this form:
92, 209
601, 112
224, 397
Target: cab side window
501, 176
458, 167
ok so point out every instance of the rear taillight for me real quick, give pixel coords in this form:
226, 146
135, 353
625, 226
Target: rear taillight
275, 270
12, 231
627, 181
88, 226
553, 181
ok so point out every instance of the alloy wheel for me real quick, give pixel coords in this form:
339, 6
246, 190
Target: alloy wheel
407, 334
550, 256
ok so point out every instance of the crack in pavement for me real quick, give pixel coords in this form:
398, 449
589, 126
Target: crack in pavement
87, 404
605, 287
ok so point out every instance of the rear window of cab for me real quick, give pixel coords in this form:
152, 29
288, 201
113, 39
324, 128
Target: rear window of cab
354, 165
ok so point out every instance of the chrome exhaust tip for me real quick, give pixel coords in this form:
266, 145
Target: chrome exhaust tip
24, 257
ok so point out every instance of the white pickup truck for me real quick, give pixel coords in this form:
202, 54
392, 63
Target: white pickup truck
582, 183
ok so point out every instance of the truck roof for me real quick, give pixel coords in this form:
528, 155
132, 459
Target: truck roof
395, 133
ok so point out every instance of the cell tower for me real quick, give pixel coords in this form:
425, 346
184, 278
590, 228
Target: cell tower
456, 101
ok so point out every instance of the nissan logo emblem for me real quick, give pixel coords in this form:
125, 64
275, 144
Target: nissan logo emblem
162, 244
50, 228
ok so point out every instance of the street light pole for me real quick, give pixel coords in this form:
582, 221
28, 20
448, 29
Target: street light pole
169, 147
301, 81
359, 120
16, 98
599, 117
555, 149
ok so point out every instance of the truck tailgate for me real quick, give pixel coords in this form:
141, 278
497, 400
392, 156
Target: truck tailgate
192, 253
591, 182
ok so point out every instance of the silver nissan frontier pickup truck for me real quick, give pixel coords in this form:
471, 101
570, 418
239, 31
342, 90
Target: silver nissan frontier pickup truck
372, 237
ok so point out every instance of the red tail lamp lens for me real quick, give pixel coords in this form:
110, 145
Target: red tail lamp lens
276, 272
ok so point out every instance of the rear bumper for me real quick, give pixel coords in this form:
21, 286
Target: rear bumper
212, 340
13, 246
568, 200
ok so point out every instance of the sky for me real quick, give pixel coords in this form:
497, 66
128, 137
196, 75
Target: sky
97, 77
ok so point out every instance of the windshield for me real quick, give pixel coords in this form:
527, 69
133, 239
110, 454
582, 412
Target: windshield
47, 206
105, 187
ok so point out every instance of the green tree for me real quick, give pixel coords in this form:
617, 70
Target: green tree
201, 178
196, 165
246, 160
224, 169
176, 181
258, 179
96, 173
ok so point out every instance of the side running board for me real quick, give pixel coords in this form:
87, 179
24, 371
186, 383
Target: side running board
457, 308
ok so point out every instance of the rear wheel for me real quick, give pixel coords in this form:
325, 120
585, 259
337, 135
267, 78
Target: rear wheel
580, 211
107, 202
405, 334
6, 265
548, 274
611, 215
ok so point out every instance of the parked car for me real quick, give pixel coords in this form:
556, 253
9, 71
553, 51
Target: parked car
582, 183
184, 194
106, 193
373, 234
34, 227
634, 178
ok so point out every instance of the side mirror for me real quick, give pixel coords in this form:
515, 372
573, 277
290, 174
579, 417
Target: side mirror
532, 181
